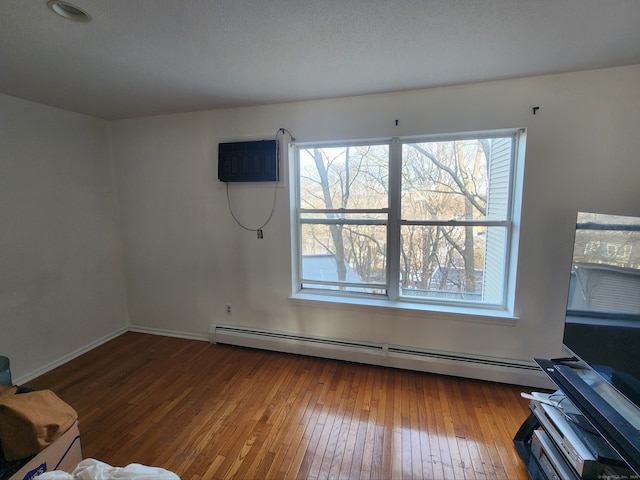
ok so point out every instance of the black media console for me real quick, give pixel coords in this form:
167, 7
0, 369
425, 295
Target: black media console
559, 441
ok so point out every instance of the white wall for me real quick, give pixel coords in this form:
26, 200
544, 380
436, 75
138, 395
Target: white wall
63, 282
61, 270
186, 257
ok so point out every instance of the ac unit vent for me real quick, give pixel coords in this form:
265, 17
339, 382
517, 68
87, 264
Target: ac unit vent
255, 161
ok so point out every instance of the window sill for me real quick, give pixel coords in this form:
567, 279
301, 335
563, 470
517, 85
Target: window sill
448, 312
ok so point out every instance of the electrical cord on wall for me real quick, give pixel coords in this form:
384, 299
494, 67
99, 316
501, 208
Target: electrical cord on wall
259, 229
275, 190
283, 131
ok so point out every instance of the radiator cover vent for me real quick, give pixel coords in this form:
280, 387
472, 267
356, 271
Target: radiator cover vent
397, 356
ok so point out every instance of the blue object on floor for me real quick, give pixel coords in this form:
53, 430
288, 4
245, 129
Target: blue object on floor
5, 372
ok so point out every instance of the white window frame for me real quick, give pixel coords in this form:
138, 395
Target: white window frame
505, 307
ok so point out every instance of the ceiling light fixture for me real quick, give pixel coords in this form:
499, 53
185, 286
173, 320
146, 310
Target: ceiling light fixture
68, 11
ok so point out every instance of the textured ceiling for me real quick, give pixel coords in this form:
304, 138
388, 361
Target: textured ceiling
142, 57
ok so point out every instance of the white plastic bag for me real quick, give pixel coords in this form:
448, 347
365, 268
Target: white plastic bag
55, 475
90, 469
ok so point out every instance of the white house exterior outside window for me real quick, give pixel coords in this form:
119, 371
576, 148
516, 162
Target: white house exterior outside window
424, 220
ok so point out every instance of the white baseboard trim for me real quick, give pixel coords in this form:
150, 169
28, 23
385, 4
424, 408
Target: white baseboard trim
70, 356
90, 346
534, 378
169, 333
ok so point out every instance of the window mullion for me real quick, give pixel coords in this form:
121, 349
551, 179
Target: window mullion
341, 221
393, 225
343, 211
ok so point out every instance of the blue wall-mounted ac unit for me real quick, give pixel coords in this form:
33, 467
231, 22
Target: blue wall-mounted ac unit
255, 161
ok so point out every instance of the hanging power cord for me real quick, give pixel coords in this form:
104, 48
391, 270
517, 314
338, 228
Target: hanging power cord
275, 190
259, 229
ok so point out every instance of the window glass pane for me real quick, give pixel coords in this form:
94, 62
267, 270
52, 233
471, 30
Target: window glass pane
452, 263
346, 214
344, 177
344, 253
448, 180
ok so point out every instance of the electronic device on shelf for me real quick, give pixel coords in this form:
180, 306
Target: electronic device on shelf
549, 458
602, 322
600, 378
587, 454
571, 446
602, 331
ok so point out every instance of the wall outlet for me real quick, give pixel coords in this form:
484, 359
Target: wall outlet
228, 308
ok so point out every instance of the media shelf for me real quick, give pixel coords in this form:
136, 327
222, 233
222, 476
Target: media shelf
557, 442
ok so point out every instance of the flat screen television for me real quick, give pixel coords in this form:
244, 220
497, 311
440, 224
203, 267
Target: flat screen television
601, 375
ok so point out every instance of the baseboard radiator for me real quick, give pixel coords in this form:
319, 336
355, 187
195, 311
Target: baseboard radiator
447, 363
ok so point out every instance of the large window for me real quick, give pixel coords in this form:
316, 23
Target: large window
425, 219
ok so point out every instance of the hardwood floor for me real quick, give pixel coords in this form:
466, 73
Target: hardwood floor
216, 411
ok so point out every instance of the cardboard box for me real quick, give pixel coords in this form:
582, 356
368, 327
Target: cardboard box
63, 454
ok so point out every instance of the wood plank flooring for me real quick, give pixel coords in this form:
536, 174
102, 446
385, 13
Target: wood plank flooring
216, 411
